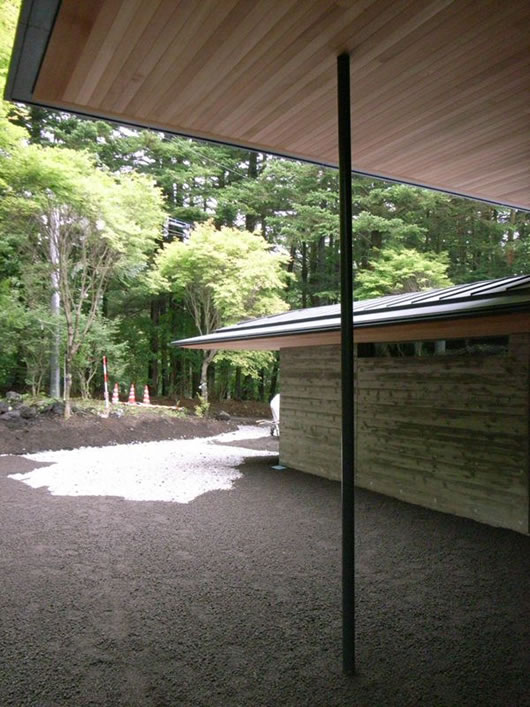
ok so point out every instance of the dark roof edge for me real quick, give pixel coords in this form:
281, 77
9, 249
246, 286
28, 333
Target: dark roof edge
34, 28
246, 335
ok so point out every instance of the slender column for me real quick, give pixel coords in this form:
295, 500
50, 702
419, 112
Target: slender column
346, 299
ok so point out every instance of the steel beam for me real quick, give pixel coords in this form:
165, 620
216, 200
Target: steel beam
346, 299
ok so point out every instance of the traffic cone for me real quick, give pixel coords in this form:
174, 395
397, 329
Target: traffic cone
146, 396
115, 395
132, 395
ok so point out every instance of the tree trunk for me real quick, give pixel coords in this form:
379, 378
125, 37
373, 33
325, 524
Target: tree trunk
67, 389
250, 219
237, 384
153, 373
207, 359
304, 274
55, 307
274, 376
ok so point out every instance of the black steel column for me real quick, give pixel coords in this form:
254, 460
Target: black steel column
346, 300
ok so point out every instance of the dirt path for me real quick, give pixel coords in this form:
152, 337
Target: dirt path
234, 599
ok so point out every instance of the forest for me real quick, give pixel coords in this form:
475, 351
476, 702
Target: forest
116, 242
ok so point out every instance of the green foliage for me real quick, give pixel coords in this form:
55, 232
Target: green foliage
35, 346
396, 272
203, 407
12, 323
250, 363
101, 339
223, 275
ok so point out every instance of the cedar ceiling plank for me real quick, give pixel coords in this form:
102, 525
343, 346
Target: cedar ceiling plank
100, 49
242, 76
475, 100
470, 136
413, 61
151, 49
184, 42
458, 127
319, 111
406, 101
516, 196
501, 183
70, 35
396, 34
213, 52
253, 28
496, 164
312, 44
357, 31
440, 100
502, 87
126, 48
312, 28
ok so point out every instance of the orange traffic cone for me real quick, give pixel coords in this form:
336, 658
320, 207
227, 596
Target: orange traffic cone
132, 395
115, 395
146, 396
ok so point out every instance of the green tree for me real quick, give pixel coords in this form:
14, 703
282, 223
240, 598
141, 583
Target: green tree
82, 226
399, 271
223, 276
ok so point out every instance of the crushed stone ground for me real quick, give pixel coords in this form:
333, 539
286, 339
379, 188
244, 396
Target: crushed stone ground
233, 598
174, 470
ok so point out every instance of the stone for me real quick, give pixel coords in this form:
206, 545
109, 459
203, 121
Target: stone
13, 397
57, 408
11, 415
4, 407
28, 412
222, 415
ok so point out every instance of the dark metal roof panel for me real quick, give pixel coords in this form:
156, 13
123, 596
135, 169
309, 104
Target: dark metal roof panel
502, 295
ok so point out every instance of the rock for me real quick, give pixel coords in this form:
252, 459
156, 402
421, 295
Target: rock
11, 415
28, 412
57, 408
222, 415
4, 407
13, 397
116, 413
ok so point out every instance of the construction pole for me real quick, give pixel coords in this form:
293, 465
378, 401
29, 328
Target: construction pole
346, 299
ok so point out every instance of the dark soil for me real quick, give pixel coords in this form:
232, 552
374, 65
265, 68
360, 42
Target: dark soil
234, 599
24, 436
46, 432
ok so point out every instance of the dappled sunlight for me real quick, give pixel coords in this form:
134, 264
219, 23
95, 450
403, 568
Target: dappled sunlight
174, 470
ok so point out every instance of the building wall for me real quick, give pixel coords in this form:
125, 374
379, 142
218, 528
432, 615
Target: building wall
450, 433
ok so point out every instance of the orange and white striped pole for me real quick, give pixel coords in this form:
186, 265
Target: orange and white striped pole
105, 383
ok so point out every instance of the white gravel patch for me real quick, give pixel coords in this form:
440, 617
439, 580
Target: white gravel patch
173, 470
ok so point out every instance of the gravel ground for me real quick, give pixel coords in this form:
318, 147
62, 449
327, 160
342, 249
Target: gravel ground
233, 598
152, 471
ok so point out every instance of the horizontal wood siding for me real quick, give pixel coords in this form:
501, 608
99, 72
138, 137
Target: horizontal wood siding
449, 433
310, 409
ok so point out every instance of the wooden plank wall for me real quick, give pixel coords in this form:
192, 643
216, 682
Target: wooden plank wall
310, 409
449, 433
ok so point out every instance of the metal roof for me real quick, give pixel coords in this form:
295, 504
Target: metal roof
506, 294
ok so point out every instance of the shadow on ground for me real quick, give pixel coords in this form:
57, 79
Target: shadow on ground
234, 599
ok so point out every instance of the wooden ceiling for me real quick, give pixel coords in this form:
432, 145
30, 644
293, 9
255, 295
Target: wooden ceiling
440, 88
